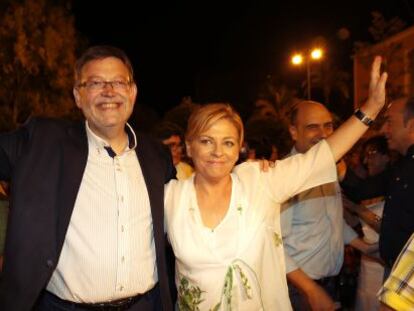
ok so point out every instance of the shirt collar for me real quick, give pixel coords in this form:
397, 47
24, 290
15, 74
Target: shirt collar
99, 143
132, 138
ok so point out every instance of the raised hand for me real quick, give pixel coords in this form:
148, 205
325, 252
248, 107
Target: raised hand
352, 129
376, 98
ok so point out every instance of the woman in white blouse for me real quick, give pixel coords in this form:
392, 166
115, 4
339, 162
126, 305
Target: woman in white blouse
223, 222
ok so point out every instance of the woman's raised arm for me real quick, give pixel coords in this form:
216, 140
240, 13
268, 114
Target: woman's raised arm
352, 129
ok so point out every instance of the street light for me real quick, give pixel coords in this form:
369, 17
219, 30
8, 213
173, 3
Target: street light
298, 59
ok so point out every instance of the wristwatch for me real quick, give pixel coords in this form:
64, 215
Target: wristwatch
363, 117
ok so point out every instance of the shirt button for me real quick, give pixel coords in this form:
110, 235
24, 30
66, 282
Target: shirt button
397, 178
405, 186
389, 197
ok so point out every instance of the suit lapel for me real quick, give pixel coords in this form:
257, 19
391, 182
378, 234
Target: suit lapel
152, 172
74, 150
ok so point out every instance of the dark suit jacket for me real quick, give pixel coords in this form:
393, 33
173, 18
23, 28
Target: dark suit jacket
45, 161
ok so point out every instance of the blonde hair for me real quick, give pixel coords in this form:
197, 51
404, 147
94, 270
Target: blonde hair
205, 116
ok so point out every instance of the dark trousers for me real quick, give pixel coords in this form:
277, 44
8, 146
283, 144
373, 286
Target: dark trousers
49, 302
299, 301
387, 271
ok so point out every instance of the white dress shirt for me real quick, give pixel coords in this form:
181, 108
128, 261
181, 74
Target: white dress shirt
314, 231
109, 250
240, 264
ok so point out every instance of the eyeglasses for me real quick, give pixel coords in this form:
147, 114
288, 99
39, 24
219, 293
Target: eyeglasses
117, 85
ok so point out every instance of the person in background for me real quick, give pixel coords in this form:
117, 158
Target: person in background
171, 135
313, 228
376, 157
261, 148
397, 225
395, 185
86, 227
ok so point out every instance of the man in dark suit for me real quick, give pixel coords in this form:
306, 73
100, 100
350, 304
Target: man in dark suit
86, 220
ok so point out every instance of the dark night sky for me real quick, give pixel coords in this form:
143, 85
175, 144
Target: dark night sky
177, 45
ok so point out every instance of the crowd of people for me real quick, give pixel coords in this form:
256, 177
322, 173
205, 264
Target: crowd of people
103, 217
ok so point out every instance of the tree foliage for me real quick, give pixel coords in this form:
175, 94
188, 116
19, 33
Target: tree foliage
393, 56
275, 98
38, 41
380, 29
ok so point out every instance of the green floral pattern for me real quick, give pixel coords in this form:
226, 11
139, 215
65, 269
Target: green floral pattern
189, 297
245, 281
228, 285
240, 209
277, 239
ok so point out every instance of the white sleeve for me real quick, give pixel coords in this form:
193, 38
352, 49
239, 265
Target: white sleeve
286, 216
301, 171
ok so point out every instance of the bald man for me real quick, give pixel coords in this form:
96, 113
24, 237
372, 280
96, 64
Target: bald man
313, 228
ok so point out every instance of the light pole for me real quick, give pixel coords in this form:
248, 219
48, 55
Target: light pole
298, 59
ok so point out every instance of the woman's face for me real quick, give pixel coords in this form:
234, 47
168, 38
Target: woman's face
215, 151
